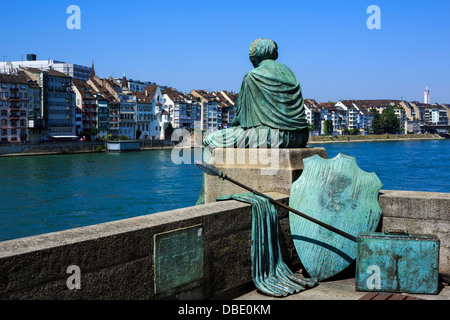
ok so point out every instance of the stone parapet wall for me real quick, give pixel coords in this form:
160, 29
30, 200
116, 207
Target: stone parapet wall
116, 259
419, 213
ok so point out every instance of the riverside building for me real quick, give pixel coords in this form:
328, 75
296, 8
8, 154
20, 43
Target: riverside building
13, 108
73, 70
58, 103
94, 107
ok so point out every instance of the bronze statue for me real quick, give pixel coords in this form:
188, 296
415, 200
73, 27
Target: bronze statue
270, 109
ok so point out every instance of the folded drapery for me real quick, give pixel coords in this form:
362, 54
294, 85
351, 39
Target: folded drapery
269, 272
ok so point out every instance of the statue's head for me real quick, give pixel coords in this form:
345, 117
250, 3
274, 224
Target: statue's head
262, 49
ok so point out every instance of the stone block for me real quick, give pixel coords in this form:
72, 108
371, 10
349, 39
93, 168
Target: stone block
419, 213
265, 170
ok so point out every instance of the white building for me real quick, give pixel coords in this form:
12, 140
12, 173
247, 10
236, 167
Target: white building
151, 118
351, 113
145, 112
161, 119
439, 116
127, 118
73, 70
138, 86
184, 110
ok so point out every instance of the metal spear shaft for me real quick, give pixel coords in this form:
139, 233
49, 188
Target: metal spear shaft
212, 170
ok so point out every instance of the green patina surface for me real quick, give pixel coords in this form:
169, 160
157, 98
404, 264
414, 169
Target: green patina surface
269, 272
178, 258
270, 108
397, 262
270, 111
337, 192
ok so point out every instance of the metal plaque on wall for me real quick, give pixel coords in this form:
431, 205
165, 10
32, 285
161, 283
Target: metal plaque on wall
178, 257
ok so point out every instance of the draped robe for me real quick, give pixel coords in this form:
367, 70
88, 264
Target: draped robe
270, 96
270, 111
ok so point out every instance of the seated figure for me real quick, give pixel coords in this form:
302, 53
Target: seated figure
270, 109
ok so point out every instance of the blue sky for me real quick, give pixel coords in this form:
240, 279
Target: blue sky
193, 44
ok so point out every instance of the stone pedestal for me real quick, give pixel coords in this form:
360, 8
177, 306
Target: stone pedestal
265, 170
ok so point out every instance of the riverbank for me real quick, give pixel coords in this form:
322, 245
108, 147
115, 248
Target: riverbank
189, 143
39, 149
76, 147
373, 137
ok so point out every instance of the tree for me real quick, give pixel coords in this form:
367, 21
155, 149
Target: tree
327, 127
376, 121
351, 132
94, 131
389, 121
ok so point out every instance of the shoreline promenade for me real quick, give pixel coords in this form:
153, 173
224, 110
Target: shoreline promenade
47, 148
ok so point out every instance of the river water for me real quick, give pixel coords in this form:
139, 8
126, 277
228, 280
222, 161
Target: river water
41, 194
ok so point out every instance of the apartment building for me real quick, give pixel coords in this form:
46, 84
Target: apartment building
58, 102
35, 111
209, 110
182, 108
108, 91
102, 115
70, 69
127, 115
145, 112
88, 101
13, 108
313, 115
226, 103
